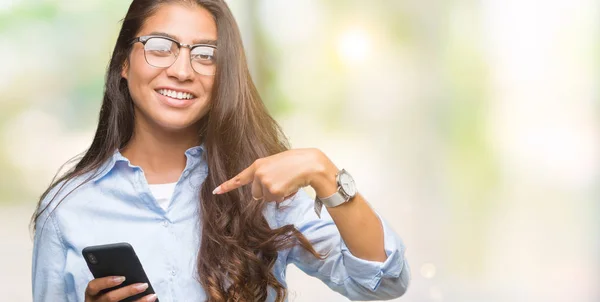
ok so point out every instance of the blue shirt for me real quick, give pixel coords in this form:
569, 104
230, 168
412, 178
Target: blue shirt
116, 205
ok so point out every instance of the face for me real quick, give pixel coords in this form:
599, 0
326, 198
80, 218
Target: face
148, 84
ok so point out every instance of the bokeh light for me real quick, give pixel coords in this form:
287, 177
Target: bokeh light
354, 46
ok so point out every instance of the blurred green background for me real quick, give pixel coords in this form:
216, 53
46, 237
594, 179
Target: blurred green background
471, 126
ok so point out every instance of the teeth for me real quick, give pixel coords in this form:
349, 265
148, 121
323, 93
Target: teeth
175, 94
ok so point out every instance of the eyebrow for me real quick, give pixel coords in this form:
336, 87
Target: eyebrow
198, 41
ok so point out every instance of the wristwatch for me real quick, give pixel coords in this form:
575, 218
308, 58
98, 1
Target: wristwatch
346, 190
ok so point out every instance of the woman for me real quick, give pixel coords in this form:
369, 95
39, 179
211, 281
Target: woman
189, 168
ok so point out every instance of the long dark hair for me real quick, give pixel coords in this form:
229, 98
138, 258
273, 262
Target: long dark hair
238, 248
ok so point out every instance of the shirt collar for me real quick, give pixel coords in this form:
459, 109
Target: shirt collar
107, 166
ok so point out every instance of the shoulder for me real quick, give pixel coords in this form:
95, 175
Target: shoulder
61, 192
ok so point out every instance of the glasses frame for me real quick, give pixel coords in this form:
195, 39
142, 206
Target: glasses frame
144, 40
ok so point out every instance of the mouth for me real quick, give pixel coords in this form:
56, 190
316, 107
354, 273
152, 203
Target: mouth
174, 94
175, 98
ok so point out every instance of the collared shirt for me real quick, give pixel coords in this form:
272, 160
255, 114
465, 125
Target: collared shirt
116, 205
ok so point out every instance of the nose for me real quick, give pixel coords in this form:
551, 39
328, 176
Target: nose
181, 68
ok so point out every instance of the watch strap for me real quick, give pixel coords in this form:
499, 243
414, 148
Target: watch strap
331, 201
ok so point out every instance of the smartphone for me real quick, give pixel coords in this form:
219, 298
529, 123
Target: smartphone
117, 259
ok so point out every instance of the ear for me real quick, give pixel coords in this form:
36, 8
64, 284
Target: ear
125, 69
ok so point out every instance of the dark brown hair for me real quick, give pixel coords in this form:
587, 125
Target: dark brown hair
238, 248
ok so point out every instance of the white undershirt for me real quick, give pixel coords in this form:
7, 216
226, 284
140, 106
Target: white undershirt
163, 193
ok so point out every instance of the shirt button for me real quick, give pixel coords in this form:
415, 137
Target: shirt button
173, 273
186, 173
165, 223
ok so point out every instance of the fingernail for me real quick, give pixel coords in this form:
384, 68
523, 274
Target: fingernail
118, 280
151, 298
141, 287
217, 190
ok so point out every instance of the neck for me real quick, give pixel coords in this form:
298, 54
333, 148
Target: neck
160, 153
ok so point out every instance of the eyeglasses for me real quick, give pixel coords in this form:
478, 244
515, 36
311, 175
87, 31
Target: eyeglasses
162, 52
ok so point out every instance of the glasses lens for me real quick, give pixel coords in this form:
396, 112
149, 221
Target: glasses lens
204, 59
160, 52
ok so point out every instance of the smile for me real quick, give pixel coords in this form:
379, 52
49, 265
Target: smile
176, 94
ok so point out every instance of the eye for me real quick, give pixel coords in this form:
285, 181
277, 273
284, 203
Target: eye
203, 54
203, 57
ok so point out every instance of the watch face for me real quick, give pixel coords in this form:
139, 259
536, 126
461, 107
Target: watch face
347, 183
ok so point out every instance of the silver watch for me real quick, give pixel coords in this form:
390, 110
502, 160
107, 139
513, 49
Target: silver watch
346, 190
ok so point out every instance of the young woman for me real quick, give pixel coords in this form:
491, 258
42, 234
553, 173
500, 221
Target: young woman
189, 168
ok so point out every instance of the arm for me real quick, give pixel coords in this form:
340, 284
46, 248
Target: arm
359, 226
342, 271
375, 269
48, 261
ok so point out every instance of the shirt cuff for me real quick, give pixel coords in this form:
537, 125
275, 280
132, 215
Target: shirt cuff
369, 273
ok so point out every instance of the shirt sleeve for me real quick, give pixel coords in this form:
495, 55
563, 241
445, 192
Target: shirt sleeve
355, 278
48, 259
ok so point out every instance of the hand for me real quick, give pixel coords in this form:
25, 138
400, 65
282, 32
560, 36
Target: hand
280, 176
92, 292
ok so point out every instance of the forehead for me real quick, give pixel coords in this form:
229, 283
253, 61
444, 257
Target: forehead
188, 23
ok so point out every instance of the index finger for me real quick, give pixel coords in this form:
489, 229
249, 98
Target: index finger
243, 178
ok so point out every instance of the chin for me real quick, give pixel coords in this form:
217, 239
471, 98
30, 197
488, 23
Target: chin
170, 120
174, 119
173, 126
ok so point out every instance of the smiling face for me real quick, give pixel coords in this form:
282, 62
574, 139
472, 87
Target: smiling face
176, 97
